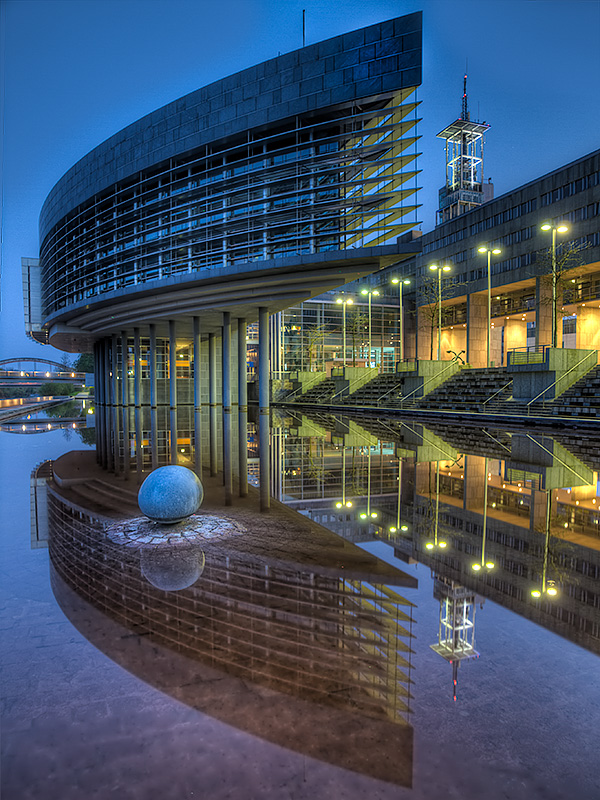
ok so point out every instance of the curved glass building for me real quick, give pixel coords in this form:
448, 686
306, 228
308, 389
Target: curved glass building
264, 188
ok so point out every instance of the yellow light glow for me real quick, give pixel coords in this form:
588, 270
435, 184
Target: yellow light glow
373, 514
562, 229
339, 300
490, 564
446, 269
482, 249
338, 505
552, 592
376, 292
433, 266
476, 567
364, 291
429, 546
546, 226
363, 516
443, 545
395, 280
404, 527
350, 302
348, 504
393, 530
536, 593
496, 251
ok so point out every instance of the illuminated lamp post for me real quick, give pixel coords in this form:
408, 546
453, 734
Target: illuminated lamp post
344, 303
548, 226
399, 282
370, 292
548, 587
344, 503
368, 514
398, 527
439, 270
487, 564
489, 251
441, 544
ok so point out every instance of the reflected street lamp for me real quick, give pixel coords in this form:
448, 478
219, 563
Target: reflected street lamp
345, 503
439, 269
344, 303
489, 251
399, 282
548, 586
435, 543
487, 564
370, 292
562, 228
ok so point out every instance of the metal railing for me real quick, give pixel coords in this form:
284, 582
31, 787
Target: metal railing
491, 397
593, 353
533, 354
420, 388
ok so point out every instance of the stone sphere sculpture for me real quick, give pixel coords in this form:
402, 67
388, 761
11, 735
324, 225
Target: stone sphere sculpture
170, 494
172, 569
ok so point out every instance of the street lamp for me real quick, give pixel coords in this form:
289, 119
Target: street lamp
548, 586
496, 251
344, 503
398, 527
439, 270
562, 228
344, 303
399, 282
368, 514
370, 292
435, 543
487, 564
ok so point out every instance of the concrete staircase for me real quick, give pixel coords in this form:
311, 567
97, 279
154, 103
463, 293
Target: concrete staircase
321, 393
468, 390
582, 399
385, 389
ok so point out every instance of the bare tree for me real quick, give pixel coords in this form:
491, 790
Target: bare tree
428, 304
356, 326
568, 257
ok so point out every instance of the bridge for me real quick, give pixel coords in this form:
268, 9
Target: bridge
26, 371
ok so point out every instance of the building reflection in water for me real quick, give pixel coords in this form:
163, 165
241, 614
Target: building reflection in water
511, 517
316, 634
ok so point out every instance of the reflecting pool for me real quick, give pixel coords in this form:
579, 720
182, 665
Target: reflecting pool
416, 616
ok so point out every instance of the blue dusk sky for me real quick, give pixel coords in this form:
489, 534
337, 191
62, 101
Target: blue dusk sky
76, 71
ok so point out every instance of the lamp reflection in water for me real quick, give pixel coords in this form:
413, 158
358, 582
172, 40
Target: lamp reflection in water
398, 527
548, 587
344, 502
368, 514
487, 564
441, 543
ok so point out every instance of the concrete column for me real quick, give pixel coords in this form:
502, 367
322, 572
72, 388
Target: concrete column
226, 387
264, 407
125, 403
515, 335
153, 397
197, 398
106, 403
543, 315
242, 408
115, 402
98, 402
587, 332
137, 396
474, 481
477, 330
212, 400
173, 389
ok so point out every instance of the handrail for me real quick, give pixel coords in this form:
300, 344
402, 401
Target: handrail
350, 385
498, 392
393, 389
591, 353
299, 389
487, 433
433, 377
560, 461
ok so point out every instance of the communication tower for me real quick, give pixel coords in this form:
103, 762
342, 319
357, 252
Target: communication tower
456, 634
464, 189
